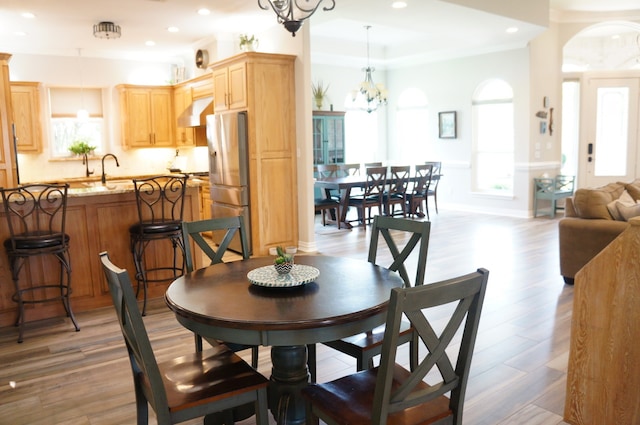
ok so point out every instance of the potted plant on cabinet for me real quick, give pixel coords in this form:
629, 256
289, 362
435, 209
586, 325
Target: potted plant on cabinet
248, 43
319, 93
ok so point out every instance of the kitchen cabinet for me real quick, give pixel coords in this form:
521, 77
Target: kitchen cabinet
229, 87
328, 137
268, 88
8, 165
147, 116
182, 99
25, 98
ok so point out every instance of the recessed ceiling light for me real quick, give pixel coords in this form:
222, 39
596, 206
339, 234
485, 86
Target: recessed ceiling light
204, 11
150, 43
615, 36
20, 33
399, 4
28, 15
173, 29
512, 30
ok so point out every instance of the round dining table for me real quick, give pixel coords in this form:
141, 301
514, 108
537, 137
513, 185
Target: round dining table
325, 298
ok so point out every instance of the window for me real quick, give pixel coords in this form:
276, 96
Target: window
66, 127
493, 138
360, 132
411, 126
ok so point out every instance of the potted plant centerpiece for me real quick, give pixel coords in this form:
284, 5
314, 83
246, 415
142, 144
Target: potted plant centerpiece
248, 43
283, 262
81, 147
319, 93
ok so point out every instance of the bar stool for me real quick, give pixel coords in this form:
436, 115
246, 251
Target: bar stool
36, 216
160, 201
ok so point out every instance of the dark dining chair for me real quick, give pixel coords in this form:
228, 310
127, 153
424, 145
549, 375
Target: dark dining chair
433, 188
417, 195
350, 169
186, 387
230, 227
390, 394
36, 218
401, 237
331, 200
396, 194
372, 164
373, 194
160, 202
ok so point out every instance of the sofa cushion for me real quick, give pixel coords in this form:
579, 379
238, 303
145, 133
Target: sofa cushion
627, 211
634, 189
592, 203
614, 206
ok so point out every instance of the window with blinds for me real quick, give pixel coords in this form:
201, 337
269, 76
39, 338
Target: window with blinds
76, 115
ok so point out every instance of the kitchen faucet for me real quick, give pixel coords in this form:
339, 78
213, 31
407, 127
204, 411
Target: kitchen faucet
104, 176
85, 162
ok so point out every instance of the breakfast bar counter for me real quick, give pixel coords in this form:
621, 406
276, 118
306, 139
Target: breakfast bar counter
98, 219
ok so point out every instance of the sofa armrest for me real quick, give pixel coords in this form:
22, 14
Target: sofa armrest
582, 239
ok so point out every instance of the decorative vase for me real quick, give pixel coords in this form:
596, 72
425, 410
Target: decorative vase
319, 101
249, 46
283, 268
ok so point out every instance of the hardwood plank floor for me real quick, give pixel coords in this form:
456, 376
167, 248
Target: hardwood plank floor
518, 370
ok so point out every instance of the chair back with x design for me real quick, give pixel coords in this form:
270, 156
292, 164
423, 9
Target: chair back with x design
419, 230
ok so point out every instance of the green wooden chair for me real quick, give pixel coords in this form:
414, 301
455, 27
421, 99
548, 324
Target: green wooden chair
365, 346
186, 387
392, 394
230, 226
552, 189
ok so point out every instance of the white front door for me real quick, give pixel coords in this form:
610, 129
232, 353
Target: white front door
608, 145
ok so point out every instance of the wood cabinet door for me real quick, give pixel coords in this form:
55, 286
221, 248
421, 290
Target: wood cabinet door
237, 86
162, 117
220, 90
181, 100
138, 118
25, 98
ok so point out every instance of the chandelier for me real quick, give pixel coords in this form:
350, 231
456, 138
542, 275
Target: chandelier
374, 94
106, 30
291, 13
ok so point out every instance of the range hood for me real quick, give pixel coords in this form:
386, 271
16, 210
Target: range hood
194, 115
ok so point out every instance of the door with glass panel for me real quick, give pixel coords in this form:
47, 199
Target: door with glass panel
608, 148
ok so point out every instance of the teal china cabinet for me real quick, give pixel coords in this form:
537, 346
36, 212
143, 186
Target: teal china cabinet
328, 137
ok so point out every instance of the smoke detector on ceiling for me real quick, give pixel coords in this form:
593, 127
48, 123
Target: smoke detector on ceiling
106, 30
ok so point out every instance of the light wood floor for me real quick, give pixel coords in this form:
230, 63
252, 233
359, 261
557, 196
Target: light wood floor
518, 370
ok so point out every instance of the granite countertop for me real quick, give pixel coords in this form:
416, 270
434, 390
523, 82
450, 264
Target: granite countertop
92, 186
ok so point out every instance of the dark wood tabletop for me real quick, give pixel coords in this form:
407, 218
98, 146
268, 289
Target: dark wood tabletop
348, 297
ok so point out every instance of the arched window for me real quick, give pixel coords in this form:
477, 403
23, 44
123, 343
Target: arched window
493, 138
412, 127
360, 132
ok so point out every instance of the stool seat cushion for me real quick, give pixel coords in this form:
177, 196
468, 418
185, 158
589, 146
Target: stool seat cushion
37, 240
157, 227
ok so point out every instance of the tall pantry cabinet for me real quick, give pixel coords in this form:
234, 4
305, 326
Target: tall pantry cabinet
8, 165
263, 85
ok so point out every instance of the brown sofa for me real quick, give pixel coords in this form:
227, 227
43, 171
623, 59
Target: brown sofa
594, 218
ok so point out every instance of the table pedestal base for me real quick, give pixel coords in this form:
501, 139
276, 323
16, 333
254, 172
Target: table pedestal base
289, 375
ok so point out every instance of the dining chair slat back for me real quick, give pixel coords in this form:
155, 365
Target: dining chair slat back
365, 346
373, 194
433, 189
162, 384
397, 191
418, 193
392, 394
196, 231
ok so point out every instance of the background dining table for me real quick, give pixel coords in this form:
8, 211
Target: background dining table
220, 302
345, 185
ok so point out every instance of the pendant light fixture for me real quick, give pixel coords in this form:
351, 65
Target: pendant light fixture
374, 95
82, 114
292, 13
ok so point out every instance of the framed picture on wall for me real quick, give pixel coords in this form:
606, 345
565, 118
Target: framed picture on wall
447, 125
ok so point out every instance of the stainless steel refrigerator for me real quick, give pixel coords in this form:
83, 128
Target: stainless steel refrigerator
229, 170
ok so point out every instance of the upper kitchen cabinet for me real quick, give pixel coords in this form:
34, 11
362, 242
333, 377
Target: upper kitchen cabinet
267, 84
229, 86
25, 98
182, 99
147, 116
